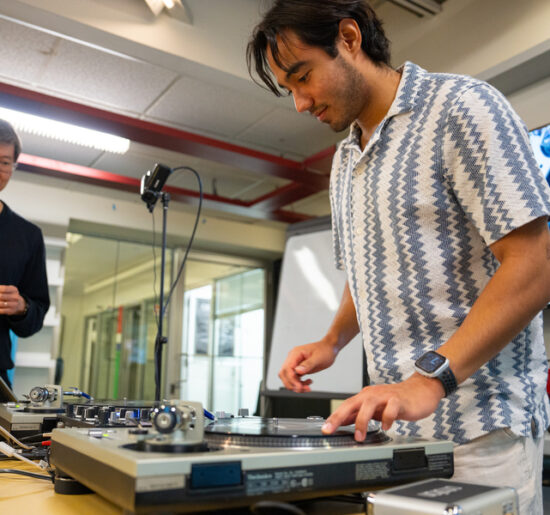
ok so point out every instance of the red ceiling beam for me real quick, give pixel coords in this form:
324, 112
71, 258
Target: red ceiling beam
322, 161
149, 133
85, 175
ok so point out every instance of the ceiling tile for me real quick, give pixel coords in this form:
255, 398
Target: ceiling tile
24, 52
288, 131
104, 78
216, 109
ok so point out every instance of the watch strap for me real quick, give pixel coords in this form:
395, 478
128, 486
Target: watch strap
448, 380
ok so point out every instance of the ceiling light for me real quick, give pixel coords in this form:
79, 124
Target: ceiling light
66, 132
156, 6
174, 8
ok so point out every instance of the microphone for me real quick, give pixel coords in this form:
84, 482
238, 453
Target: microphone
152, 183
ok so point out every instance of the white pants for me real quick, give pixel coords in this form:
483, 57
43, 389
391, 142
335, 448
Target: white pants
502, 458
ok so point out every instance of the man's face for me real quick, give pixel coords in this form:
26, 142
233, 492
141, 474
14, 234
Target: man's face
7, 163
331, 89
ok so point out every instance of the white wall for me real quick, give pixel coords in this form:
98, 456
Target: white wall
533, 103
57, 206
469, 36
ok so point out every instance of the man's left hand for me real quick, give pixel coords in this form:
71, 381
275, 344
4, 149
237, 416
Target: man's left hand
413, 399
11, 302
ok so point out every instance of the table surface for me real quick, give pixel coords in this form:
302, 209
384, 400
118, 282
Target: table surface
22, 494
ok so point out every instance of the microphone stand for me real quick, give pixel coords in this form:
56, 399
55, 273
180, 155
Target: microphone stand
161, 340
150, 190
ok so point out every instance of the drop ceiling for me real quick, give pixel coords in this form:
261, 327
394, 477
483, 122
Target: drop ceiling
257, 157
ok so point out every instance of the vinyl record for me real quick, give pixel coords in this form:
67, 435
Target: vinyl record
284, 432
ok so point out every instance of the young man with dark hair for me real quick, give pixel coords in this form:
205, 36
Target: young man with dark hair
439, 217
24, 295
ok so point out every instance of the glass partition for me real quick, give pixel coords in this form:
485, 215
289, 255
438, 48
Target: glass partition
111, 311
223, 338
110, 307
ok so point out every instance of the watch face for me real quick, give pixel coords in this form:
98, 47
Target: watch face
430, 361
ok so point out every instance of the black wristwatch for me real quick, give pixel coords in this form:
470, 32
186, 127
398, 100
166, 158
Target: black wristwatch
432, 364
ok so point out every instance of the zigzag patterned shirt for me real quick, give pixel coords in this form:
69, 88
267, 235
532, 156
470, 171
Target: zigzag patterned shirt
448, 172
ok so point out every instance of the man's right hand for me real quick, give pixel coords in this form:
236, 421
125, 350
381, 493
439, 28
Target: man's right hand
306, 359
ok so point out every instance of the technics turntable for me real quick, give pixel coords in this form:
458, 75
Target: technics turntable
39, 413
178, 464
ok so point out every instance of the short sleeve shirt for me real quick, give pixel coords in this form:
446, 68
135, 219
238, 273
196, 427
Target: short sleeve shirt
448, 172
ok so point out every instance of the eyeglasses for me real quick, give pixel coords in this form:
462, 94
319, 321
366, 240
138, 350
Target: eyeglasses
7, 164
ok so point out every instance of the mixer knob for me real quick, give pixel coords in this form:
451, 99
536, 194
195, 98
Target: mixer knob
166, 419
103, 415
130, 414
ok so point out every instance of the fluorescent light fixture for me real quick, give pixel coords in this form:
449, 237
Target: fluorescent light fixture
169, 4
66, 132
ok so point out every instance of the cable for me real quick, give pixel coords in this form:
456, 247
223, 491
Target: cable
197, 218
75, 392
9, 436
25, 473
38, 437
154, 271
10, 452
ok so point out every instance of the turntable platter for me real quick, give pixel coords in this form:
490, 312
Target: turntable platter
284, 432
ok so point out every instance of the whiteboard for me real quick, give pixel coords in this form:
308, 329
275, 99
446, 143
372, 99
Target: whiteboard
310, 290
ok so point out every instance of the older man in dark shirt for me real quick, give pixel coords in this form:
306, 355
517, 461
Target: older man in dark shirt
24, 295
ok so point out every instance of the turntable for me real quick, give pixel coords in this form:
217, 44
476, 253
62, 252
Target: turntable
39, 413
180, 464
